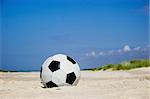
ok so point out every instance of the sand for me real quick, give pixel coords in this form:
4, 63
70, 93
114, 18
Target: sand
132, 84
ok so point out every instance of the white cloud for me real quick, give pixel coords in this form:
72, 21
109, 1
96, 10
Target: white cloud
119, 50
110, 52
137, 48
126, 48
93, 53
101, 53
87, 54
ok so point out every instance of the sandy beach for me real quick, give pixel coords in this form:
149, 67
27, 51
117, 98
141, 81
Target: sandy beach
132, 84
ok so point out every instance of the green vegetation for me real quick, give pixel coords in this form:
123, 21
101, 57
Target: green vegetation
2, 70
127, 65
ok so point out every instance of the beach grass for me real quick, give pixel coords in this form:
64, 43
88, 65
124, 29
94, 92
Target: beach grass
126, 65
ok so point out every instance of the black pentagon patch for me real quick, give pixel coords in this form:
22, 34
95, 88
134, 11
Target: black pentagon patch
50, 84
71, 77
71, 60
41, 73
54, 65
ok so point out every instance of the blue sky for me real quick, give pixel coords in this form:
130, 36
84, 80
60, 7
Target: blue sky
32, 30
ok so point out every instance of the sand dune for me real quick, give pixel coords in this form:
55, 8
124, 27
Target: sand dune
133, 84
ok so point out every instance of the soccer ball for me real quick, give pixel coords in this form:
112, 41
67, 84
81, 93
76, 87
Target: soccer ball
59, 70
